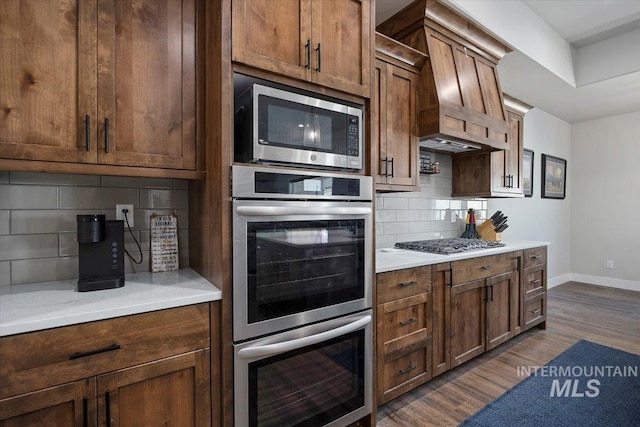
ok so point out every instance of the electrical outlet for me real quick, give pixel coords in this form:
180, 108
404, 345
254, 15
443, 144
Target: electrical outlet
120, 213
609, 264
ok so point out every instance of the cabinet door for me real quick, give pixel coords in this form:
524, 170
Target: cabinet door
172, 392
341, 44
48, 80
467, 321
402, 139
502, 306
499, 173
441, 279
379, 122
273, 35
514, 155
395, 130
146, 83
68, 405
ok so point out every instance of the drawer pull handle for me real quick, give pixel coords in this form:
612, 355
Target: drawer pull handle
106, 134
107, 397
85, 409
87, 132
406, 371
536, 311
536, 281
408, 322
536, 256
98, 351
485, 267
407, 284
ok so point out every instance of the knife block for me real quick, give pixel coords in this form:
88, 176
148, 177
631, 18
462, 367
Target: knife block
487, 231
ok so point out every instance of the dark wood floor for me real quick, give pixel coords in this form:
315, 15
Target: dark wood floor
575, 311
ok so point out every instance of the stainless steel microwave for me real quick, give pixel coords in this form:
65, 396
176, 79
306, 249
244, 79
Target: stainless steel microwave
284, 127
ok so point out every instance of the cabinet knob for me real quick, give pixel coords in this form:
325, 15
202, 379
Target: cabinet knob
536, 311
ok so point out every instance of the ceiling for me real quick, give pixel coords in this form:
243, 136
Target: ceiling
603, 41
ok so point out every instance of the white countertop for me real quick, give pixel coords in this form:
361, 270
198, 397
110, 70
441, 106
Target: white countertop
37, 306
389, 259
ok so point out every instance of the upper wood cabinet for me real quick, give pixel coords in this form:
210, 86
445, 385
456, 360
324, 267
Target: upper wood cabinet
395, 163
495, 174
146, 83
327, 42
108, 82
48, 79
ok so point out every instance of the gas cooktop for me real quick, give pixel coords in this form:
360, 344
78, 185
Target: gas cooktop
448, 246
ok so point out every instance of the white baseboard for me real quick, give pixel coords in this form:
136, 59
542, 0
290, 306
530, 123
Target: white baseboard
559, 280
605, 281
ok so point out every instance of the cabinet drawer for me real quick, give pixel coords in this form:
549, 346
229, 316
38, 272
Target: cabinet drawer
404, 322
535, 311
398, 284
405, 373
36, 360
479, 268
535, 256
534, 281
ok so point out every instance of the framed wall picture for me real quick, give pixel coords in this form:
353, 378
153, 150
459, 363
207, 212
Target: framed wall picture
527, 172
554, 177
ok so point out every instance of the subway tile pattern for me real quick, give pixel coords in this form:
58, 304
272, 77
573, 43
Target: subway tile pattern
38, 220
430, 213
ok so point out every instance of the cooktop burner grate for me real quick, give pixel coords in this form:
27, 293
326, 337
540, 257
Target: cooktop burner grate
448, 246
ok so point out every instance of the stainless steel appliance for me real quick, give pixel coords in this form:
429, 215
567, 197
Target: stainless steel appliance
317, 375
298, 261
302, 277
448, 246
273, 125
100, 253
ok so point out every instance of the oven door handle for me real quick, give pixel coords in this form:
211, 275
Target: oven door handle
283, 347
294, 210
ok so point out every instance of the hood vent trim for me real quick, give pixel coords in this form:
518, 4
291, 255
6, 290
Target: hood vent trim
448, 146
460, 96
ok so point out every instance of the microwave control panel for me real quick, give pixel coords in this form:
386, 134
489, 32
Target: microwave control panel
353, 136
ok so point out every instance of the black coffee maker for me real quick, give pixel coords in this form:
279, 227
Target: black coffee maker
101, 253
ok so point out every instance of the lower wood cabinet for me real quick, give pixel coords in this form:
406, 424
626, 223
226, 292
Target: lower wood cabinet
71, 404
484, 314
534, 288
433, 318
172, 390
404, 349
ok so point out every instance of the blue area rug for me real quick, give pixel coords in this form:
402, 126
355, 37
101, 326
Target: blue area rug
587, 385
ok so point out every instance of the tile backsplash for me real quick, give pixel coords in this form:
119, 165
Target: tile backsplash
430, 213
38, 220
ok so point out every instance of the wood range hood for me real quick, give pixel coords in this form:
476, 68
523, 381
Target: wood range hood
460, 101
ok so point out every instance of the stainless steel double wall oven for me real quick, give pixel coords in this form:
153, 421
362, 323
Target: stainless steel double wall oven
302, 320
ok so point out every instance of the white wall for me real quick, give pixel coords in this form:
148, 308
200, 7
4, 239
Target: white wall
605, 200
535, 218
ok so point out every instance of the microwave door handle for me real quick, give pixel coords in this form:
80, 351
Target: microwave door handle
291, 210
283, 347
